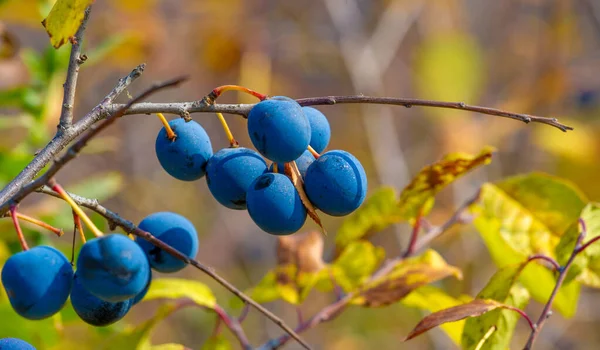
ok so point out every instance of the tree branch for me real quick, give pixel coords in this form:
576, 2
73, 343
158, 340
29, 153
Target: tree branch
70, 85
61, 140
115, 220
184, 108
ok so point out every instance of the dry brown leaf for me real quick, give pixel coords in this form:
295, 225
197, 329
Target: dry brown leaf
292, 170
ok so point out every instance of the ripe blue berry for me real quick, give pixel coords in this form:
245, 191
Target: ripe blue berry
113, 267
15, 344
186, 157
37, 281
143, 293
336, 183
176, 231
303, 162
275, 205
229, 173
320, 132
279, 129
95, 311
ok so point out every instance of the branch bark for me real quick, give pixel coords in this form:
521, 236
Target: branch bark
62, 139
70, 85
201, 106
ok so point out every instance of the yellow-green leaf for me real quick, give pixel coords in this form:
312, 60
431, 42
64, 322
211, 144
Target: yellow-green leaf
405, 276
416, 198
512, 234
434, 299
217, 343
64, 19
170, 346
553, 201
586, 267
379, 211
502, 287
354, 265
138, 338
177, 288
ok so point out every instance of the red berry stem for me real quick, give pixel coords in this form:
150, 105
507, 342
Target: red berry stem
13, 216
39, 223
221, 89
313, 152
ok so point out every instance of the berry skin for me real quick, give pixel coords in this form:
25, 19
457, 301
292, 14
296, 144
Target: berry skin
320, 132
38, 282
279, 129
15, 344
275, 205
143, 293
95, 311
113, 268
176, 231
336, 183
229, 173
302, 162
186, 157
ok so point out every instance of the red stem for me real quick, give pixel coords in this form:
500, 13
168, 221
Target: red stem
233, 326
524, 315
552, 262
13, 215
413, 237
244, 313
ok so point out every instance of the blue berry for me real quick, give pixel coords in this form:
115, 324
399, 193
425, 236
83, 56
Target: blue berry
320, 132
279, 129
37, 281
336, 183
113, 267
176, 231
229, 173
95, 311
186, 157
275, 205
303, 162
15, 344
143, 293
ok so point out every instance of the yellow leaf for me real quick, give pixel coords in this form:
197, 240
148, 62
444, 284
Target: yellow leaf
416, 198
64, 19
176, 288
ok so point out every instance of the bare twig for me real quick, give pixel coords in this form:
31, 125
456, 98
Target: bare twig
75, 60
184, 108
61, 140
129, 227
234, 327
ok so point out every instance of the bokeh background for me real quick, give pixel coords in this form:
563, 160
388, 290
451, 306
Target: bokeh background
532, 56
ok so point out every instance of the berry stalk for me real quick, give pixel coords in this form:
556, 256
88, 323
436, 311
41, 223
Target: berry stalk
39, 223
64, 195
13, 216
221, 89
232, 142
170, 133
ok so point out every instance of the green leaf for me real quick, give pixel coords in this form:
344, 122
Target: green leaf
138, 338
554, 201
177, 288
38, 333
379, 211
417, 198
511, 234
217, 343
586, 267
405, 276
64, 19
502, 287
434, 299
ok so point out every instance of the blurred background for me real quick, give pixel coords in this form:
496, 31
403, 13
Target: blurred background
539, 57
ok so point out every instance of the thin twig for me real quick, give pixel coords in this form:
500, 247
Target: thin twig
129, 227
547, 311
546, 258
184, 108
234, 327
61, 140
70, 85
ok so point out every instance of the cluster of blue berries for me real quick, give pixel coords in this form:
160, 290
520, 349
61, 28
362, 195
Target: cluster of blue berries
113, 272
238, 178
